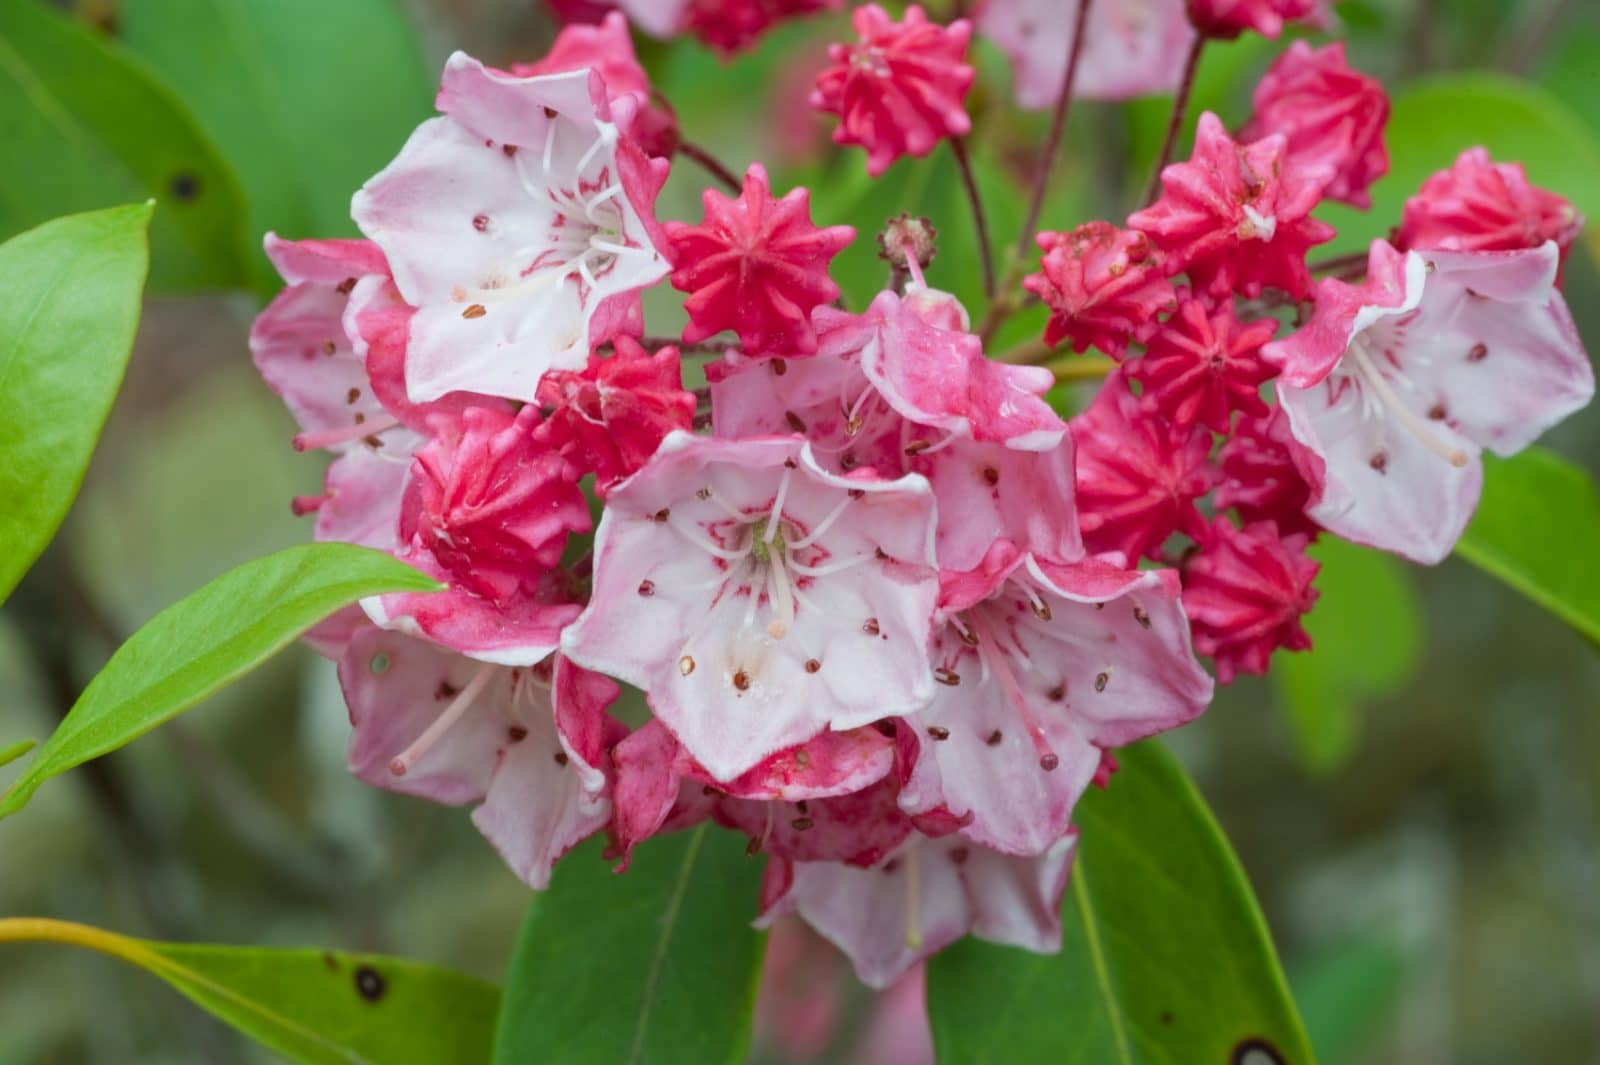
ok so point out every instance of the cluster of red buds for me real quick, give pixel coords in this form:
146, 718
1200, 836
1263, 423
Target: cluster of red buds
890, 614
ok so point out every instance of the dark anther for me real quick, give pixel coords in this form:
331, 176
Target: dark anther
993, 739
938, 732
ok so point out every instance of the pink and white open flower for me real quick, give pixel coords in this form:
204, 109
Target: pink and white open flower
906, 389
1130, 47
1394, 387
527, 745
520, 226
759, 599
1043, 667
929, 894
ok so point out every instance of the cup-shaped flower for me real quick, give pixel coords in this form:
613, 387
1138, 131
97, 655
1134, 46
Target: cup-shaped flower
1043, 667
519, 225
526, 745
1130, 47
759, 599
1393, 388
929, 894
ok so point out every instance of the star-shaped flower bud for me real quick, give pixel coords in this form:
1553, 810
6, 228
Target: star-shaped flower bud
923, 898
488, 510
1202, 365
610, 418
519, 225
1104, 287
1236, 217
759, 599
1043, 667
1481, 205
756, 265
529, 745
1245, 591
1130, 48
1260, 479
899, 89
1138, 478
607, 48
1331, 115
1393, 387
731, 26
1227, 19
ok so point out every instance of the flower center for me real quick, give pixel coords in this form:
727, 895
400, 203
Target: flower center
1379, 398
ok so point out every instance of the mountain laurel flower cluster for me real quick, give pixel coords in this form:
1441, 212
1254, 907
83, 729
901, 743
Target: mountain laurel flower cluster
827, 568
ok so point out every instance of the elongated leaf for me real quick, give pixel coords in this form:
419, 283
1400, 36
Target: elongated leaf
84, 127
1437, 118
305, 98
312, 1006
658, 964
1538, 529
1165, 955
204, 642
1366, 635
67, 320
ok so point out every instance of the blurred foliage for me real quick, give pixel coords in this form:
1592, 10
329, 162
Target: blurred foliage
1156, 899
98, 130
1436, 887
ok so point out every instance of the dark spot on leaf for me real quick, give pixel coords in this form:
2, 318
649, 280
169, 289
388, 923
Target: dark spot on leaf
1166, 1018
1256, 1051
370, 983
331, 960
185, 185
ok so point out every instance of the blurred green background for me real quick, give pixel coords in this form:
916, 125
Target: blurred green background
1417, 802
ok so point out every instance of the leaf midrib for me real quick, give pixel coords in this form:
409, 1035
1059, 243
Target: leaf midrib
659, 955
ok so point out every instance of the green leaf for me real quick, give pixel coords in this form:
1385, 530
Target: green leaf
206, 641
67, 320
312, 1006
1435, 119
1347, 993
1165, 955
658, 964
305, 98
84, 126
1537, 528
16, 750
1366, 637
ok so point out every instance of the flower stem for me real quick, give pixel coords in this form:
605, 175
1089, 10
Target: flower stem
1081, 368
980, 221
1180, 111
1058, 127
711, 165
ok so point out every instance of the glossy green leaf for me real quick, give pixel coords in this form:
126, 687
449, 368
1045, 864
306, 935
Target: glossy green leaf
67, 321
658, 964
204, 642
1437, 118
1366, 636
306, 99
311, 1006
1538, 529
1165, 955
84, 127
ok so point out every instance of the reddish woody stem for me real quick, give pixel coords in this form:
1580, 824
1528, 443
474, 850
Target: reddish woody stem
1180, 111
980, 221
704, 347
711, 165
1058, 127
